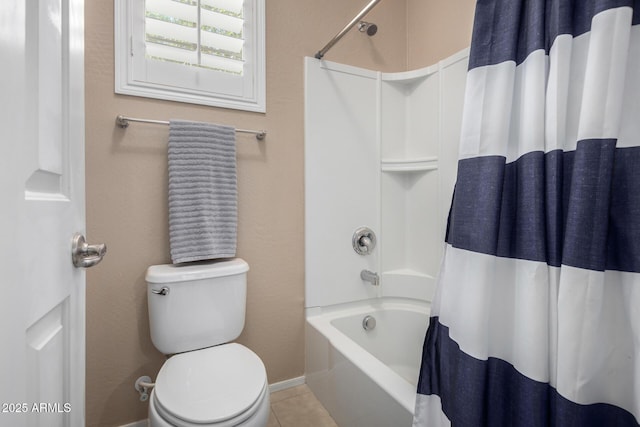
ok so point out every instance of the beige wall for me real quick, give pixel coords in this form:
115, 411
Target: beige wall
126, 184
437, 29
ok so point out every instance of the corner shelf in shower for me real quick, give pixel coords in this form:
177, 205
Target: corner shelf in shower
408, 283
410, 120
410, 77
405, 273
409, 165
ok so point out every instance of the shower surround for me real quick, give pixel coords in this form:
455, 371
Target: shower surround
380, 152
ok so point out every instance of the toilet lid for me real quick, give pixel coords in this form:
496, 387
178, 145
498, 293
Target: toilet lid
210, 385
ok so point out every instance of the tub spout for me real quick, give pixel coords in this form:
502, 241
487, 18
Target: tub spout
370, 276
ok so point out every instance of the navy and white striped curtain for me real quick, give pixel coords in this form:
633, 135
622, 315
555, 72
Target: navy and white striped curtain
536, 319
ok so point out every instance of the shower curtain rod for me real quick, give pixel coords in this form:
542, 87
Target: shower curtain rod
344, 31
123, 122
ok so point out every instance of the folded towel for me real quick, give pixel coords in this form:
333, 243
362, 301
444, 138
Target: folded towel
203, 207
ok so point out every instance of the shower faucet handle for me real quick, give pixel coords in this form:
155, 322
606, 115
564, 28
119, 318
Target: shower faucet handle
363, 241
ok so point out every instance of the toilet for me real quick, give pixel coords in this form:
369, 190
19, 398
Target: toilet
195, 311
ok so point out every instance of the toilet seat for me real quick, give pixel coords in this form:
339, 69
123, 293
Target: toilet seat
222, 385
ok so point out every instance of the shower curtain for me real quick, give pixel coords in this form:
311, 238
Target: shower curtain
536, 317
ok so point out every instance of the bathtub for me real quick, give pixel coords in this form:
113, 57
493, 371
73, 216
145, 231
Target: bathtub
366, 378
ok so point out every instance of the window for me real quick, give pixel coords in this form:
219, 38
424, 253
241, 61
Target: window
207, 52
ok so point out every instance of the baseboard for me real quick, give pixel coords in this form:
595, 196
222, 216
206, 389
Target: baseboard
283, 385
141, 423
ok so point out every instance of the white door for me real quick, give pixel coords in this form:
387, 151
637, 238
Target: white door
42, 298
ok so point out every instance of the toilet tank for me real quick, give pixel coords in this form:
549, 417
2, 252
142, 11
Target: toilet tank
196, 305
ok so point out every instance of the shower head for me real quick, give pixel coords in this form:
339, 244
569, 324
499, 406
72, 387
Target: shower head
368, 27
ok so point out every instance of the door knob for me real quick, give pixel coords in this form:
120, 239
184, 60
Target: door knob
85, 255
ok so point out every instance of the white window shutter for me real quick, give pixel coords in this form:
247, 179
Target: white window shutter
201, 51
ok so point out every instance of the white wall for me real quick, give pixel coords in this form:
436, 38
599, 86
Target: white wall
342, 180
381, 151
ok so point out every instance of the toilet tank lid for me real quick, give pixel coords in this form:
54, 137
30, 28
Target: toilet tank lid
167, 273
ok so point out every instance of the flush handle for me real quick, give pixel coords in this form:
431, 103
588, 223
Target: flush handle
85, 255
162, 291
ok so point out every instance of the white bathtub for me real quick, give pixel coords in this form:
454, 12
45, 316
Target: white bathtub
366, 378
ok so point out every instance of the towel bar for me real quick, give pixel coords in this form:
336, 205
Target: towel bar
123, 122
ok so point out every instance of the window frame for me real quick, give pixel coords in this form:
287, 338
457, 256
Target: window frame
140, 76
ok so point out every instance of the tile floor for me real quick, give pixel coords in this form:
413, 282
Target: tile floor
298, 407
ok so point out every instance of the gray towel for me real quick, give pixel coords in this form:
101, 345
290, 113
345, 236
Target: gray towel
203, 207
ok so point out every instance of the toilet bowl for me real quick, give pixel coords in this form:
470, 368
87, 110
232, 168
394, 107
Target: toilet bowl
195, 311
218, 386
